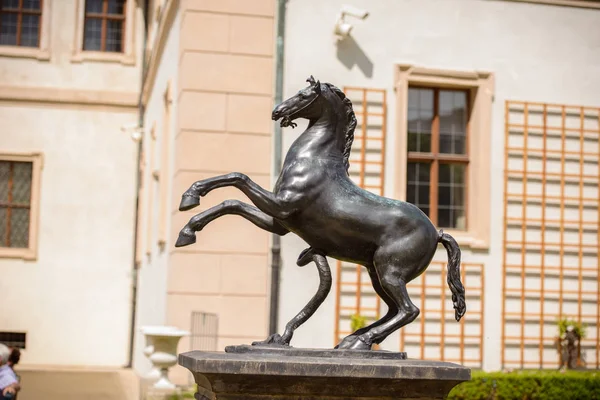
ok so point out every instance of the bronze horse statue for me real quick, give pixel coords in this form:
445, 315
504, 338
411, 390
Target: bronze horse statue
315, 198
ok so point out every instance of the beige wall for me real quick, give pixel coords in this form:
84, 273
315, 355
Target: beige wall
224, 102
74, 300
153, 256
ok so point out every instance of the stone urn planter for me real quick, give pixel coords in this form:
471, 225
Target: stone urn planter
161, 349
153, 334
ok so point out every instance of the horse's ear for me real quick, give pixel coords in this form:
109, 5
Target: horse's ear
318, 87
311, 80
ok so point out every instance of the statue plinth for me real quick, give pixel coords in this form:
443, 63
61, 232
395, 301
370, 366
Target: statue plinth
275, 375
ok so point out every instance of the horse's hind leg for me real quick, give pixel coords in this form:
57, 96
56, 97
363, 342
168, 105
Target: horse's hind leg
187, 235
309, 309
392, 311
393, 282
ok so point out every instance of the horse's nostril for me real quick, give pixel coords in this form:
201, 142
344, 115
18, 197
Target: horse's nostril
277, 113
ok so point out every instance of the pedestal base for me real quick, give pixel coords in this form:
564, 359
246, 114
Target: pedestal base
259, 376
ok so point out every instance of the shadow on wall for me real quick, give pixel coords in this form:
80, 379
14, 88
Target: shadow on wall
350, 54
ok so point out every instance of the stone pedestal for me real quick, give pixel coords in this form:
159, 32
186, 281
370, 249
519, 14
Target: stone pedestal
314, 374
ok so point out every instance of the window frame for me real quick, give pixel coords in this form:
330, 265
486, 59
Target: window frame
480, 87
42, 51
104, 17
30, 252
435, 158
126, 56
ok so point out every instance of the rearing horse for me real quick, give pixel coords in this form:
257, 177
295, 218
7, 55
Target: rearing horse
315, 198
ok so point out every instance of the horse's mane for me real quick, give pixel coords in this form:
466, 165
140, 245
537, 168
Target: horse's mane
351, 123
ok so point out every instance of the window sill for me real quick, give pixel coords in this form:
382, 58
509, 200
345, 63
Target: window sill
24, 52
101, 56
25, 254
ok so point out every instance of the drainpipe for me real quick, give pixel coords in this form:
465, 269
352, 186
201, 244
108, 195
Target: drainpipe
277, 147
134, 267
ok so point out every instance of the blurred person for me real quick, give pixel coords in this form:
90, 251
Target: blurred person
9, 384
14, 357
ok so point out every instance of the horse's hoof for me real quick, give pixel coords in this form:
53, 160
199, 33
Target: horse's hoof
185, 239
188, 202
274, 339
353, 343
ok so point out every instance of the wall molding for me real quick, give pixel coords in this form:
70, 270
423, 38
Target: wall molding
33, 94
563, 3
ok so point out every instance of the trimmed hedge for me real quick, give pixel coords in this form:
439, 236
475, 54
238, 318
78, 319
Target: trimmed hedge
529, 385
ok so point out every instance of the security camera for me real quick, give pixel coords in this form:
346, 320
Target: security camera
342, 28
129, 127
354, 12
134, 130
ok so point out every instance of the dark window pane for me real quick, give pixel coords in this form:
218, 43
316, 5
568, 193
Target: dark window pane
10, 4
3, 227
93, 34
116, 7
93, 6
8, 29
451, 196
21, 189
417, 190
420, 118
444, 217
30, 30
4, 176
444, 197
453, 121
31, 4
19, 227
411, 193
114, 34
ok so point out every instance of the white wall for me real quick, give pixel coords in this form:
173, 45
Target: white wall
152, 281
74, 300
537, 53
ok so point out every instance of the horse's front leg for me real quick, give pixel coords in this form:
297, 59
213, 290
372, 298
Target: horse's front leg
279, 207
187, 235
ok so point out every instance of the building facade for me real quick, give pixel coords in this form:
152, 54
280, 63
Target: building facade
70, 74
514, 111
485, 120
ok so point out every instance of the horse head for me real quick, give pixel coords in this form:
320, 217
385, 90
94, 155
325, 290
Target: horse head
304, 104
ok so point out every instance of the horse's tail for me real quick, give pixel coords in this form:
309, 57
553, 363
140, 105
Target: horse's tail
456, 287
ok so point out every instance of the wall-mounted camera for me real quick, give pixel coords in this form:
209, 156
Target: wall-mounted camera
343, 28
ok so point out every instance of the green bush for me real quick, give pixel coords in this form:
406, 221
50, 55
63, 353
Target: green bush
580, 329
529, 385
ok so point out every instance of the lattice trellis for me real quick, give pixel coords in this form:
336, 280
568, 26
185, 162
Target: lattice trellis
435, 334
551, 224
354, 293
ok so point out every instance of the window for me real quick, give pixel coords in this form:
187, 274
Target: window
20, 22
15, 203
442, 148
13, 339
19, 199
104, 25
436, 178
